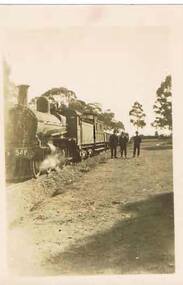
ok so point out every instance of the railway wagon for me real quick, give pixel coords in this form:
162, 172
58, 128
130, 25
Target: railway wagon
84, 129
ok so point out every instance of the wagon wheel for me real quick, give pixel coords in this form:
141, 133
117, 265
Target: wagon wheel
36, 168
48, 170
81, 154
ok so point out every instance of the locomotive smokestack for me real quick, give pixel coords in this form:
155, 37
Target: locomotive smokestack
22, 94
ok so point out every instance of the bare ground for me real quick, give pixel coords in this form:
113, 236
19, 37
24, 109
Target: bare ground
115, 219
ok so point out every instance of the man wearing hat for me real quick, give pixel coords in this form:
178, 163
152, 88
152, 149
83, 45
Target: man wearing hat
123, 140
113, 142
136, 147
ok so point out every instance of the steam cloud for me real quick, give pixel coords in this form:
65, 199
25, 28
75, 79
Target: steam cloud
53, 160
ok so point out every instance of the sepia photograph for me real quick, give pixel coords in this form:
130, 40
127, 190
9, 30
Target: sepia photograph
88, 139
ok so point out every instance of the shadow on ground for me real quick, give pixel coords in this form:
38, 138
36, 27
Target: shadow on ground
160, 147
143, 242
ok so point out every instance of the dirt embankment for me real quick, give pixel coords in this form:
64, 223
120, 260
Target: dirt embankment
26, 196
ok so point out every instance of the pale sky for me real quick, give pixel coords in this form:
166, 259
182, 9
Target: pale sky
113, 55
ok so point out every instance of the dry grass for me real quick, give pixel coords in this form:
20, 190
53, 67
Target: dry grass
26, 195
116, 219
91, 162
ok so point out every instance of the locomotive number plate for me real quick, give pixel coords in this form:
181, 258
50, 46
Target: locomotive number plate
20, 152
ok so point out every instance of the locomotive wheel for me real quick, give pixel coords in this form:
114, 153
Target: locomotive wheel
36, 168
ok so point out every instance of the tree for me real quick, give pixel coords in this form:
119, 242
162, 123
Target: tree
155, 125
118, 125
77, 105
137, 115
61, 90
95, 108
156, 134
108, 118
163, 105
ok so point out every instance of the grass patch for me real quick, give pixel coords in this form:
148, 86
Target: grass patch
71, 173
91, 162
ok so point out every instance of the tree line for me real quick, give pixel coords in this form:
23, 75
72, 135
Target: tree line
162, 108
108, 117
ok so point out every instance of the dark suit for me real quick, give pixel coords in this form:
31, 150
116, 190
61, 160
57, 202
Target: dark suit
113, 141
123, 145
136, 147
74, 151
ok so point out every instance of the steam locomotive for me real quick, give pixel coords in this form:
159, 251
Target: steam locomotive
32, 134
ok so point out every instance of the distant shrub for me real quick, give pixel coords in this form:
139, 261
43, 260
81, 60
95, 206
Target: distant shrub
158, 147
149, 137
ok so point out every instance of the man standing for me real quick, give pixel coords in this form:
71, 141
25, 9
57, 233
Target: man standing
74, 150
137, 141
113, 142
123, 140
